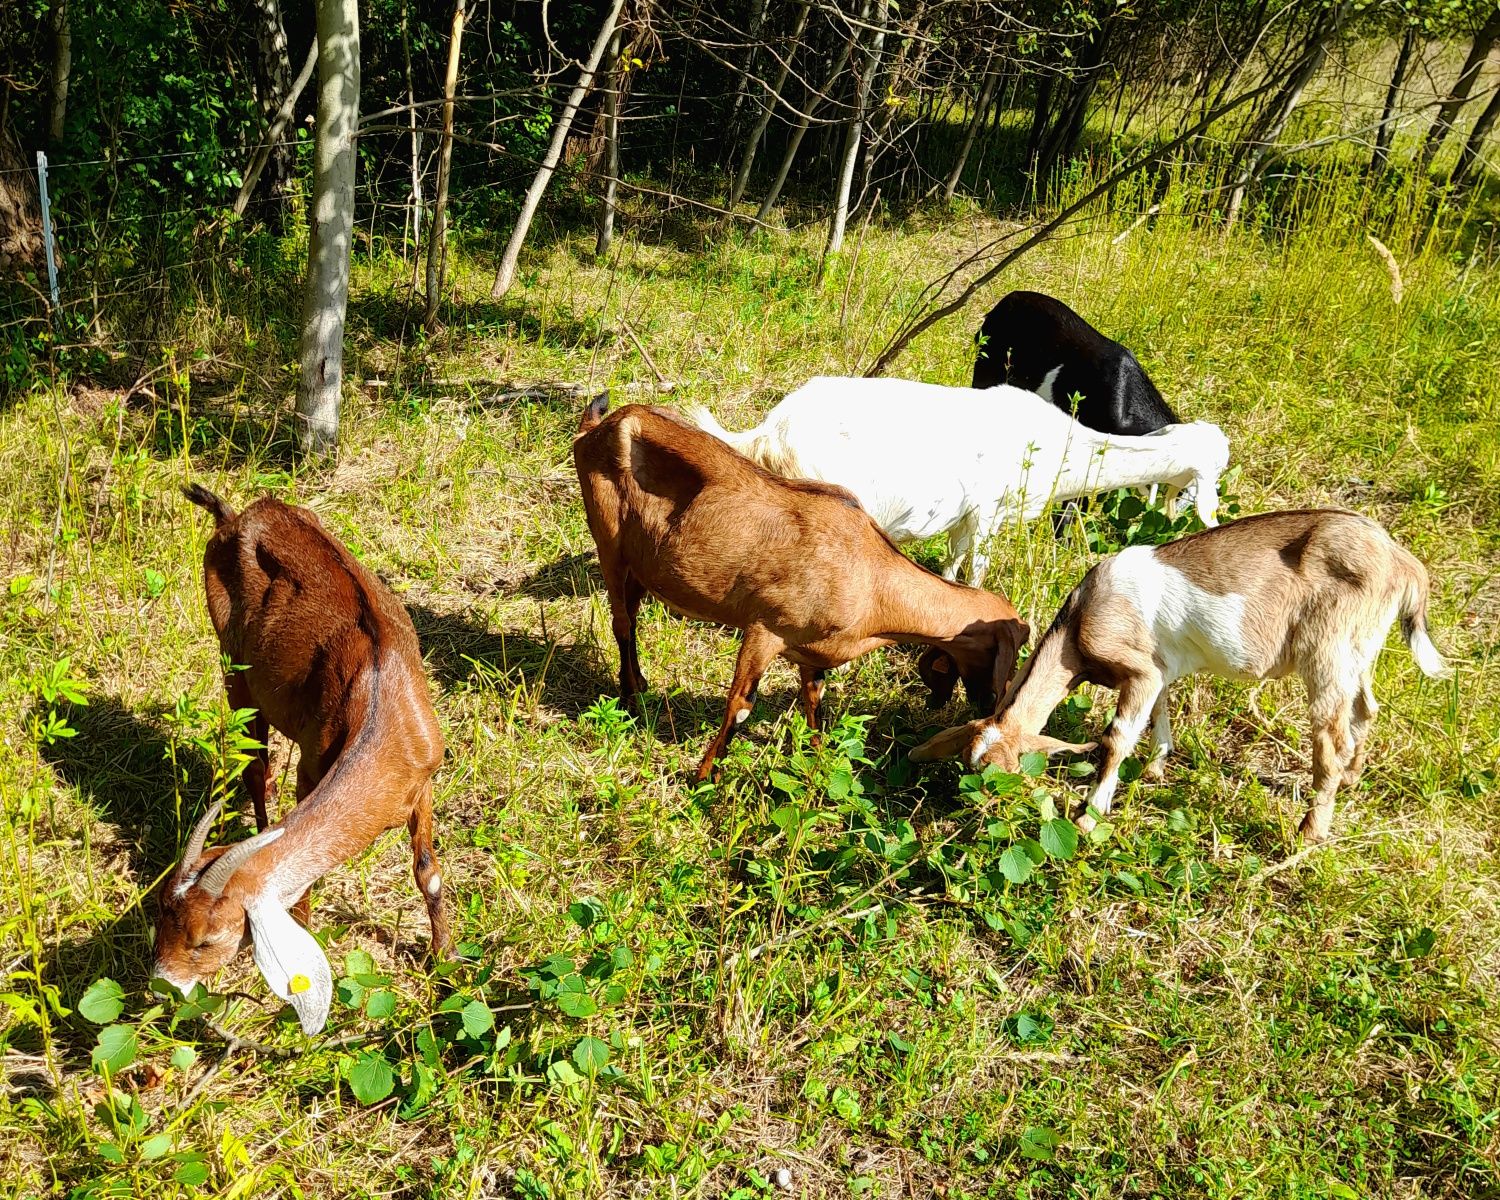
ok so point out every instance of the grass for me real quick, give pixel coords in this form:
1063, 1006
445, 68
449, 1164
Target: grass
822, 964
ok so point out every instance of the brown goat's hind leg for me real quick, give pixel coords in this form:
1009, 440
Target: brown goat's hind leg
756, 652
257, 779
424, 869
625, 596
812, 694
1332, 751
1364, 712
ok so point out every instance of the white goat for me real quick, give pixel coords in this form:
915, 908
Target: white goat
925, 459
1311, 591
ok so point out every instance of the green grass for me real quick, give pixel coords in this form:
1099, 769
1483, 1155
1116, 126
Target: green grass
820, 964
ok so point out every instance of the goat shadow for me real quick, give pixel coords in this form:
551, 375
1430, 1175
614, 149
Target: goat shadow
572, 575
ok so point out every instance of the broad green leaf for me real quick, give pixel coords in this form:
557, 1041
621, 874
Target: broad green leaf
590, 1054
380, 1005
477, 1018
192, 1174
1059, 838
183, 1057
577, 1004
359, 962
155, 1147
103, 1002
585, 913
1040, 1143
371, 1079
111, 1152
116, 1048
1033, 763
562, 1072
1016, 865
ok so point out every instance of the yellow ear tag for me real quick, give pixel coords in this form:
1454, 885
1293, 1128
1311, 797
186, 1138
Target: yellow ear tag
298, 984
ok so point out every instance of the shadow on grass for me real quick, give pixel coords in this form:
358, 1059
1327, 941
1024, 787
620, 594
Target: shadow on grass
571, 575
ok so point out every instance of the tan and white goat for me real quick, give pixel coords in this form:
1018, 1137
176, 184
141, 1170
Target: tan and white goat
1311, 591
333, 662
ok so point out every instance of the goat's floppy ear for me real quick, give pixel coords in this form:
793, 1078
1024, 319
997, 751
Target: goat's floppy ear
1051, 745
948, 744
292, 962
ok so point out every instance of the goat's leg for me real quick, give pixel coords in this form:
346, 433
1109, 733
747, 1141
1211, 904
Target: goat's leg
812, 693
1132, 710
257, 778
625, 596
425, 871
1161, 738
1332, 751
757, 650
1361, 717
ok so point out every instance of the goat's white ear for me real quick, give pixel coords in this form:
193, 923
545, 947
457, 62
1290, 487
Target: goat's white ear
948, 744
292, 962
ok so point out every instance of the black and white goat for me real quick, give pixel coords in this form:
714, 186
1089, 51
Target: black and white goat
1032, 341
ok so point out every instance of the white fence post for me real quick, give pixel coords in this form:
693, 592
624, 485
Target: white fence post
41, 177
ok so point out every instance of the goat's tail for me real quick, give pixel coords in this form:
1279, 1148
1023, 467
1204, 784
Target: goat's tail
763, 449
706, 421
1414, 621
204, 498
593, 412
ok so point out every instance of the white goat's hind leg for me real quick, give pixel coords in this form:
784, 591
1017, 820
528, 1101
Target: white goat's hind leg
1161, 739
1132, 711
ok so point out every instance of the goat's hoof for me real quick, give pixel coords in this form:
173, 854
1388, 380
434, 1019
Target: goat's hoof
1313, 830
1154, 772
1085, 822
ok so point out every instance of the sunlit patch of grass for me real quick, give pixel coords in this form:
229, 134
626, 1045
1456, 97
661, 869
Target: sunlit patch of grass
830, 962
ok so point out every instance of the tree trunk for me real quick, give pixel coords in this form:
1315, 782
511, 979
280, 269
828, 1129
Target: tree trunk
506, 275
62, 70
772, 96
416, 146
1442, 124
437, 239
814, 102
327, 294
852, 136
1279, 112
742, 86
981, 107
20, 208
1469, 156
1067, 126
272, 135
1386, 130
611, 150
273, 81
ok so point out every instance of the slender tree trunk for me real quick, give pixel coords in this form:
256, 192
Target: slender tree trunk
855, 131
327, 296
794, 143
437, 238
1387, 129
62, 70
742, 86
611, 150
768, 109
506, 275
272, 135
1447, 114
981, 107
416, 142
1468, 158
20, 206
1279, 112
273, 80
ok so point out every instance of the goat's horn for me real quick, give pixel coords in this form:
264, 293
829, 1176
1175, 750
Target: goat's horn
199, 839
221, 870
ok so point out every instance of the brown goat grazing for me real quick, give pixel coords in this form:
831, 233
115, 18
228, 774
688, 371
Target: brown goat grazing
796, 564
331, 661
1312, 591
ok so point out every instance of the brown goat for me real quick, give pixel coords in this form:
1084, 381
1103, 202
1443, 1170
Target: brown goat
331, 661
796, 564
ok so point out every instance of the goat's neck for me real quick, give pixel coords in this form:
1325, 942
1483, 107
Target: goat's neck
1095, 463
927, 607
1040, 686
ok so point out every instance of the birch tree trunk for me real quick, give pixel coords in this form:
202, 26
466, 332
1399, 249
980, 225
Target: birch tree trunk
437, 239
506, 275
768, 108
611, 151
62, 70
327, 293
981, 107
416, 145
273, 132
1442, 124
852, 137
1386, 130
794, 143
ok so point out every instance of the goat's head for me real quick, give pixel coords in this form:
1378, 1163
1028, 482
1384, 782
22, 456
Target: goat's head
983, 656
992, 741
211, 908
